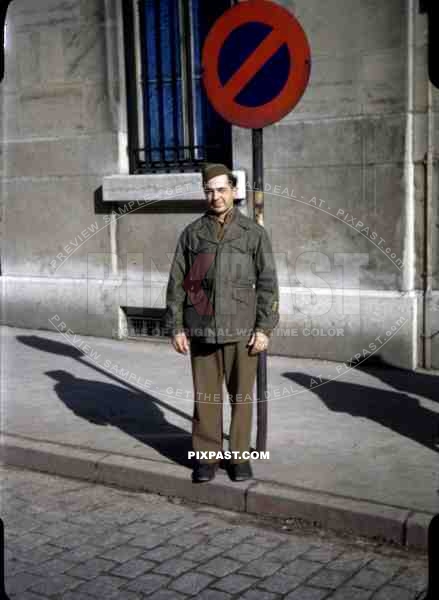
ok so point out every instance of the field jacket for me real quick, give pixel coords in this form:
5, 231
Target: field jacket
222, 290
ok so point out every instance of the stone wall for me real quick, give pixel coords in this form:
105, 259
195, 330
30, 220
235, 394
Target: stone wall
59, 137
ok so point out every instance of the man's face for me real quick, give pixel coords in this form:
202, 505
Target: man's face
219, 194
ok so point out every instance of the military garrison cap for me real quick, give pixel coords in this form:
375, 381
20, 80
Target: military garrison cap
211, 170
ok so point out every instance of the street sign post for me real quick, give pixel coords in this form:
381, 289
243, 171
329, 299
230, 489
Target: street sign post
3, 594
433, 559
256, 65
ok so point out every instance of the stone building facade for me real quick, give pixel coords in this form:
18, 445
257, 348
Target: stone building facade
350, 179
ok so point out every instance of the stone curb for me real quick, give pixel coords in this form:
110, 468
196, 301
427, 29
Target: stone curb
417, 530
349, 515
334, 512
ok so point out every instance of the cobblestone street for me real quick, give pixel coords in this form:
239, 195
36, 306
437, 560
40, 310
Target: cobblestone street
73, 540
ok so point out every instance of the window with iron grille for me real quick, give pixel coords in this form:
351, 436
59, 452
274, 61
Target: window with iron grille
171, 125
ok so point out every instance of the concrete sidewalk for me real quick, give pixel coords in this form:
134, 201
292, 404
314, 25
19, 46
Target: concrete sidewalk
358, 453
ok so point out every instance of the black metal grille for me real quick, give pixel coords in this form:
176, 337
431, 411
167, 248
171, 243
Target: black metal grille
182, 160
146, 323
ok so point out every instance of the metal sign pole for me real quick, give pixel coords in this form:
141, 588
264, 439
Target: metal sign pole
258, 214
433, 559
270, 102
3, 594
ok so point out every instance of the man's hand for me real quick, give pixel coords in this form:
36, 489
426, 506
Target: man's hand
180, 343
258, 342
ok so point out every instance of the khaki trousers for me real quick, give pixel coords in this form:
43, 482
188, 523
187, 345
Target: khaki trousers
211, 363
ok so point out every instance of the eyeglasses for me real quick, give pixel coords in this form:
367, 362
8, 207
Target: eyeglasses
221, 190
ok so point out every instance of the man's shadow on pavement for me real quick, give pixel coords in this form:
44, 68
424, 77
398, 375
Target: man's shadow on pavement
393, 409
133, 411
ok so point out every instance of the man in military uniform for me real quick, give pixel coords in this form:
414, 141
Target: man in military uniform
222, 305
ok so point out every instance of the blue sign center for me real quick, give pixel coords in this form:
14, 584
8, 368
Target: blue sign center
269, 80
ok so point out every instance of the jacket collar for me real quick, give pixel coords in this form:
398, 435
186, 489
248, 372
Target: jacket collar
234, 230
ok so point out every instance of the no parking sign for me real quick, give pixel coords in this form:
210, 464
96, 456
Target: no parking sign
256, 63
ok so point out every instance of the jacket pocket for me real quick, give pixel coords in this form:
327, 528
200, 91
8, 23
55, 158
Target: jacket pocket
239, 245
244, 292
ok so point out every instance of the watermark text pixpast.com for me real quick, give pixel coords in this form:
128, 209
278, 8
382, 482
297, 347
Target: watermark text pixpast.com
228, 455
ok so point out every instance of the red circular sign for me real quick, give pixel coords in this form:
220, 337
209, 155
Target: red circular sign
285, 30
